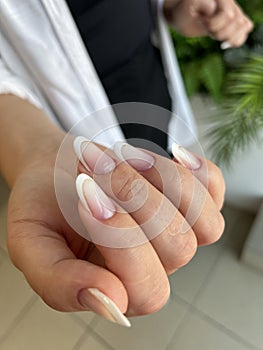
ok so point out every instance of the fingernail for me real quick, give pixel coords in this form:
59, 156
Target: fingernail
95, 300
138, 159
93, 198
225, 45
92, 157
185, 158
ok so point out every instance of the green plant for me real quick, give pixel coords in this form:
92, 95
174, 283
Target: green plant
233, 78
239, 119
202, 65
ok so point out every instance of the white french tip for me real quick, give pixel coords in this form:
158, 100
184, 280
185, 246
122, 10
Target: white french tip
185, 158
79, 186
177, 151
117, 148
77, 144
111, 307
225, 45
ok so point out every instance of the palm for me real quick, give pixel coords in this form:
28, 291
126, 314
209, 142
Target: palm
33, 202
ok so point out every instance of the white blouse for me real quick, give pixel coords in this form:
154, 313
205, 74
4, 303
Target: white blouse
43, 60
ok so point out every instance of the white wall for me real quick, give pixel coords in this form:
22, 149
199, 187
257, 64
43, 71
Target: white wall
244, 181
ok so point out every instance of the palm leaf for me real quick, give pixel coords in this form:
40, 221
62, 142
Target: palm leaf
240, 118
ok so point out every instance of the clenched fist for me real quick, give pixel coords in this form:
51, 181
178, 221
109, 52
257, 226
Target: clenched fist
224, 20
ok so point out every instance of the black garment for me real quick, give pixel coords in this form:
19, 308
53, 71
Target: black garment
117, 36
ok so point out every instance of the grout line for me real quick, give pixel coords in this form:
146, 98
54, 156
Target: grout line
219, 326
192, 308
94, 322
181, 301
18, 318
208, 275
189, 306
78, 320
101, 340
88, 333
206, 317
82, 323
222, 328
81, 339
180, 325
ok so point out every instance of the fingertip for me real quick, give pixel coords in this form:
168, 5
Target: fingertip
103, 305
77, 146
72, 276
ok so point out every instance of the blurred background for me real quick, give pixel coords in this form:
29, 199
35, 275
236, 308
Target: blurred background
217, 299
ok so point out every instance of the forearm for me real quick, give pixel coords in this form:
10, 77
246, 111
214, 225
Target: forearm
26, 136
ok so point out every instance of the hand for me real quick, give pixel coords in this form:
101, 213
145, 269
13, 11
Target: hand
73, 274
222, 19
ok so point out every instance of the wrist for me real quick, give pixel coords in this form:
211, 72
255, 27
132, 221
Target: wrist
27, 136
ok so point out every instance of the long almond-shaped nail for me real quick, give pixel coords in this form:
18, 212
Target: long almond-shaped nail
92, 157
93, 198
95, 300
135, 157
225, 45
185, 158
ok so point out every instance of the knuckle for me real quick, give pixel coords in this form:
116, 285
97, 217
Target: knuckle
218, 229
16, 241
241, 20
160, 295
213, 230
50, 302
216, 179
186, 254
214, 28
229, 14
240, 41
220, 36
127, 185
11, 246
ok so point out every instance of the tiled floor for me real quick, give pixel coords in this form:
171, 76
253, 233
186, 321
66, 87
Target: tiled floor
216, 304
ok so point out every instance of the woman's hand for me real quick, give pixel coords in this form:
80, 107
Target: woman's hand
147, 223
224, 20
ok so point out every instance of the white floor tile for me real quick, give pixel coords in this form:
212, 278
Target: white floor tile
86, 316
93, 344
234, 297
198, 334
42, 329
15, 293
147, 333
187, 281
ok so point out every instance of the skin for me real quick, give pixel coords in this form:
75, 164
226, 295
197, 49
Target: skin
54, 258
224, 20
46, 249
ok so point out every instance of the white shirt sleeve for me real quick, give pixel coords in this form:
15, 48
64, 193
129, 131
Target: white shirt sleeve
157, 6
11, 84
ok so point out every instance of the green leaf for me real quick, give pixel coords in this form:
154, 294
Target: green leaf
212, 74
239, 119
191, 77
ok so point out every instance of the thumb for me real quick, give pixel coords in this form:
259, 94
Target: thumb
62, 281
